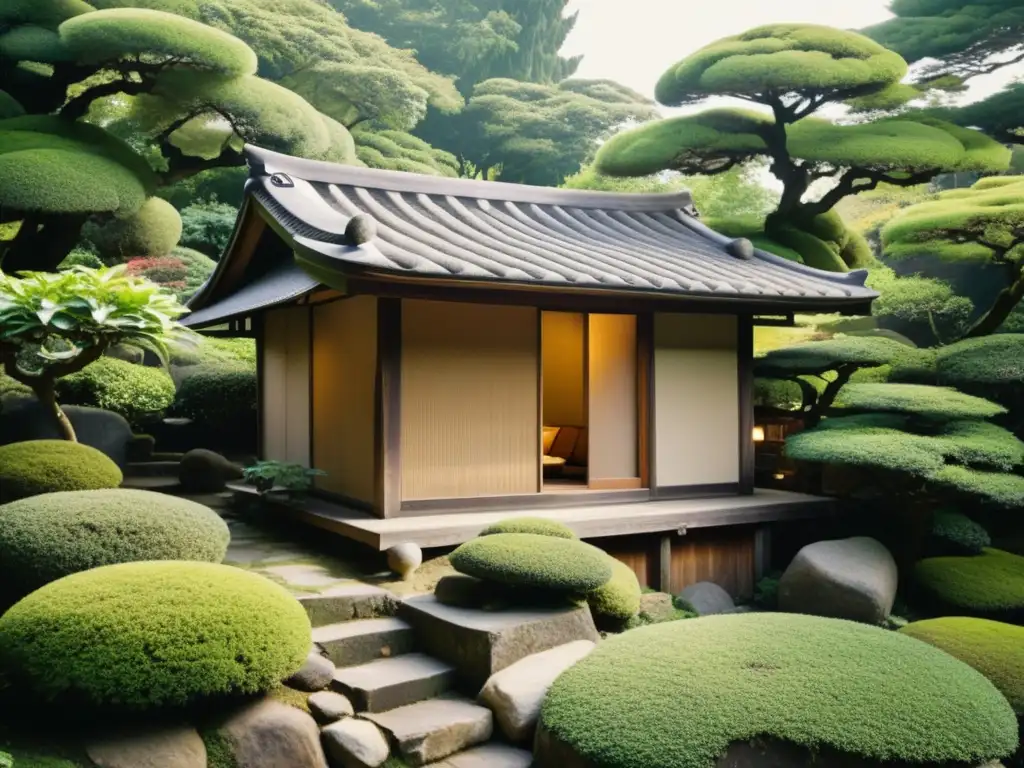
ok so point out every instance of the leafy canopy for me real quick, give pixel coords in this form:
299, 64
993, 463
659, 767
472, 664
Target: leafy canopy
817, 357
933, 403
400, 151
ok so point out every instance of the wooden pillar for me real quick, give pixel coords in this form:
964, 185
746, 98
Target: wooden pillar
762, 551
387, 407
665, 564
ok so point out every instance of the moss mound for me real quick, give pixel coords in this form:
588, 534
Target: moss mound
619, 597
991, 583
993, 648
47, 537
45, 466
534, 561
538, 525
956, 534
161, 634
676, 695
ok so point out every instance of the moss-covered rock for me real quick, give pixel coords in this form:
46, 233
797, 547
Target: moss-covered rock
44, 466
47, 537
953, 533
160, 634
677, 695
990, 584
541, 526
533, 561
618, 599
993, 648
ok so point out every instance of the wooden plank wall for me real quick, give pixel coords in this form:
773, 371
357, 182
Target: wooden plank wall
284, 390
722, 555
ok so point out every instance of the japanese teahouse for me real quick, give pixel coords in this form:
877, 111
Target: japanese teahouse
452, 351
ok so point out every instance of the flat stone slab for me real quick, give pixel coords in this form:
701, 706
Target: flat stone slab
479, 643
310, 576
432, 730
347, 602
390, 683
488, 756
350, 643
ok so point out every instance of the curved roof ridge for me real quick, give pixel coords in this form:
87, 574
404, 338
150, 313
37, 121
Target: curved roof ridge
265, 162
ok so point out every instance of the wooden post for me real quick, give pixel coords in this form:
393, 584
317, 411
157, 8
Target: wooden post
762, 551
665, 564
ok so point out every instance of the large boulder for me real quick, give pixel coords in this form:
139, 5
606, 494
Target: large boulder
23, 418
515, 694
851, 579
707, 599
149, 747
269, 734
203, 471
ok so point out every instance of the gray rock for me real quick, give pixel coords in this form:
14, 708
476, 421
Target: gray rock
269, 734
314, 675
203, 471
328, 706
23, 418
707, 598
404, 559
852, 579
657, 606
352, 743
480, 643
431, 730
149, 747
515, 694
347, 602
489, 756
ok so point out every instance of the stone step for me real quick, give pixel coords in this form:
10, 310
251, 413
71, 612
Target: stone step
432, 730
348, 602
152, 469
488, 756
389, 683
351, 643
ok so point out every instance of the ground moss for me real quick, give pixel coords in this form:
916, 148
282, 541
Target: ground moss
541, 526
677, 695
987, 584
45, 466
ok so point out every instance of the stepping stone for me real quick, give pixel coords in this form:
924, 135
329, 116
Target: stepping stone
309, 576
347, 602
432, 730
488, 756
350, 643
390, 683
479, 643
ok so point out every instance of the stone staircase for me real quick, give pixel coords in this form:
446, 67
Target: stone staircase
414, 698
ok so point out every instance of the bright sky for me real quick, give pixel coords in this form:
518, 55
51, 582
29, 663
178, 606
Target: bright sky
634, 41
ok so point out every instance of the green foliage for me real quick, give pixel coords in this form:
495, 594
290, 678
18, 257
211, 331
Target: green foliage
988, 584
958, 532
618, 598
219, 753
47, 537
936, 403
45, 466
782, 59
679, 694
44, 13
874, 448
998, 115
209, 352
991, 647
916, 299
541, 526
397, 151
115, 385
207, 226
1001, 489
184, 271
32, 43
162, 634
80, 257
153, 230
220, 399
534, 561
109, 35
9, 106
817, 357
288, 475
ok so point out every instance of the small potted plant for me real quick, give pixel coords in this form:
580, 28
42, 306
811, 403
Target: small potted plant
292, 478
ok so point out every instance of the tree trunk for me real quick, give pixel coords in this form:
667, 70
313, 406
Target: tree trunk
42, 243
1003, 305
843, 374
44, 390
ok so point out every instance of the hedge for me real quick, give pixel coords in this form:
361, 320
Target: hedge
160, 634
44, 466
153, 230
958, 533
676, 695
619, 597
217, 397
538, 525
116, 385
991, 583
938, 403
993, 648
534, 561
47, 537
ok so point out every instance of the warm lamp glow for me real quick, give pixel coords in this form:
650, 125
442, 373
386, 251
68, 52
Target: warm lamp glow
758, 434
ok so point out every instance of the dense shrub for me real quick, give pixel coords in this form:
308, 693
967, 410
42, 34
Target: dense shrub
44, 466
956, 534
538, 525
989, 584
222, 402
116, 385
160, 634
993, 648
676, 695
47, 537
208, 351
153, 230
533, 561
618, 598
206, 226
183, 271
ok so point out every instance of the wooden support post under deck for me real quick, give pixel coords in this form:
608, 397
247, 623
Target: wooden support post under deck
665, 564
762, 551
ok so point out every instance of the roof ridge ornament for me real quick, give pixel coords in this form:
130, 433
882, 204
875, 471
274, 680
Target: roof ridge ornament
360, 229
740, 248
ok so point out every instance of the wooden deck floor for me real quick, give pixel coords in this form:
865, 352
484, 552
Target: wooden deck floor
588, 522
